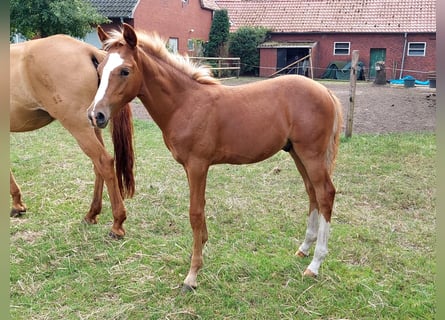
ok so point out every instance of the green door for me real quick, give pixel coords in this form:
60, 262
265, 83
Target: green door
376, 54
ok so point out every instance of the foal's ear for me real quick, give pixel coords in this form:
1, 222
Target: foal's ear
102, 34
130, 35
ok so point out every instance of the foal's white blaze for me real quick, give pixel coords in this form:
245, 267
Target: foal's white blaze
114, 61
321, 248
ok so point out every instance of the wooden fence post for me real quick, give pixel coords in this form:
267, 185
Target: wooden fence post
352, 82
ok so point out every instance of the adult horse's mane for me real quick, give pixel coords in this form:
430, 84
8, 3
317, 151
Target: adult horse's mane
153, 44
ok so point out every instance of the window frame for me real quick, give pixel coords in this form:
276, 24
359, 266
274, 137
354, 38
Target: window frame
348, 49
190, 45
416, 52
173, 44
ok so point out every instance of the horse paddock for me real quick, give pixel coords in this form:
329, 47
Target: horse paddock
382, 249
378, 108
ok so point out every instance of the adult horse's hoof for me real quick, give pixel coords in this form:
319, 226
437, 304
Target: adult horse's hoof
309, 273
15, 213
187, 288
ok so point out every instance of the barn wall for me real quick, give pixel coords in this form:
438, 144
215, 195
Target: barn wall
268, 62
427, 63
323, 54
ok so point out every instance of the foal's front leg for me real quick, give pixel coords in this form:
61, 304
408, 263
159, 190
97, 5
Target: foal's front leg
197, 175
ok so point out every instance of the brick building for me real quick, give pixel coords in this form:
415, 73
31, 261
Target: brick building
400, 33
185, 23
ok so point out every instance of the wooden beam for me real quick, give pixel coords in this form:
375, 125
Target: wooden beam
352, 82
290, 65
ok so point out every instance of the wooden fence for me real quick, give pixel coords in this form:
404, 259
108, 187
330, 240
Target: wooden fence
221, 67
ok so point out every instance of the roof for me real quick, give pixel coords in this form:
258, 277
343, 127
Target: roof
126, 8
115, 8
287, 44
382, 16
209, 4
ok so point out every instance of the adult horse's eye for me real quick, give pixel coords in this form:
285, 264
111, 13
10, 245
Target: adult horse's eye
125, 72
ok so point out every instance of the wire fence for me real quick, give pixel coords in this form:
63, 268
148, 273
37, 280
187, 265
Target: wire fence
396, 73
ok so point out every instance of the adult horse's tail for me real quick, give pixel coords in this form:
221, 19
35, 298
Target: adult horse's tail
122, 136
336, 130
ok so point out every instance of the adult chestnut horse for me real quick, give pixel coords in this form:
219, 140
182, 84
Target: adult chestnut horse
205, 123
55, 78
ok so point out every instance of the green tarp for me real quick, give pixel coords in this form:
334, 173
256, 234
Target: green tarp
342, 69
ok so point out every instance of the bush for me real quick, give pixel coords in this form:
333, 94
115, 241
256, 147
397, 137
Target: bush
219, 34
244, 44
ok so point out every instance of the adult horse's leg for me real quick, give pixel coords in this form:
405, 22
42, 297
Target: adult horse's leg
96, 203
104, 166
18, 207
197, 176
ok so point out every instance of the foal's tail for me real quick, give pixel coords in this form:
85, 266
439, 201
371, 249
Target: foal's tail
122, 136
336, 130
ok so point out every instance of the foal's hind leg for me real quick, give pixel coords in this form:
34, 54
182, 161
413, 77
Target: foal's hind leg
318, 176
312, 223
18, 207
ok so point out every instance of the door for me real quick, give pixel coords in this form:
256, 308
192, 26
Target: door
281, 58
376, 54
286, 56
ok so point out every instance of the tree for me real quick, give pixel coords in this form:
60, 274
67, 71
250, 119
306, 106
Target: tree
244, 44
42, 18
219, 34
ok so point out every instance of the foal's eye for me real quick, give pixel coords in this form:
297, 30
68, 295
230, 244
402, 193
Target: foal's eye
125, 72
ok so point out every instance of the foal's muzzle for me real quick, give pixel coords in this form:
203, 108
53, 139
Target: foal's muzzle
98, 119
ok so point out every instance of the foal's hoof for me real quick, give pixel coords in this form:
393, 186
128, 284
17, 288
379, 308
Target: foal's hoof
309, 273
89, 221
187, 288
115, 236
15, 213
301, 254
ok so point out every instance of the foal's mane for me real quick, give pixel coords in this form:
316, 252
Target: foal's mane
155, 45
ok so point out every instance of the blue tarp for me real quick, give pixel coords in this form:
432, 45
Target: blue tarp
408, 77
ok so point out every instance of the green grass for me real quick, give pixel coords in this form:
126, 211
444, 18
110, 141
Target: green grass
381, 263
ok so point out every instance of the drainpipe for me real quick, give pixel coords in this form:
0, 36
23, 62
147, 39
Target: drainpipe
403, 56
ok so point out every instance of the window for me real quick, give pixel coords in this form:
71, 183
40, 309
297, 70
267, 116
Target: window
173, 45
416, 49
190, 45
341, 48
